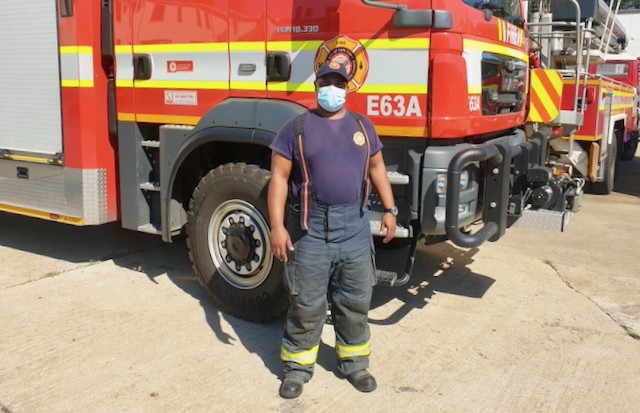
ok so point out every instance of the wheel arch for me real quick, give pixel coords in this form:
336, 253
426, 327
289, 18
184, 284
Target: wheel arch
617, 122
237, 130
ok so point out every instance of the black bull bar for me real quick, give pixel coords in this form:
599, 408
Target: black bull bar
506, 165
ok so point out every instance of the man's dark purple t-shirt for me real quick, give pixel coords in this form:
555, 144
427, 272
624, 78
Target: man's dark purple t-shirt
335, 151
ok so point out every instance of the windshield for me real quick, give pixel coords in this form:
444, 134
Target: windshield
613, 69
505, 9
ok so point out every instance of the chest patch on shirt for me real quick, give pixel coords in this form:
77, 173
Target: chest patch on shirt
358, 138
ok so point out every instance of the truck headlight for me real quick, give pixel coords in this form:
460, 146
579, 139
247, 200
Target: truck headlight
441, 182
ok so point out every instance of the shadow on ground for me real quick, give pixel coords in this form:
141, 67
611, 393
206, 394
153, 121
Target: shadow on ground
70, 243
441, 267
438, 268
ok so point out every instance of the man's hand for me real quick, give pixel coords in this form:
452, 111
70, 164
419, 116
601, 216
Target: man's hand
389, 223
280, 243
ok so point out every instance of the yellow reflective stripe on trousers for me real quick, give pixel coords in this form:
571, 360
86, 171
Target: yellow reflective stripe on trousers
304, 358
345, 352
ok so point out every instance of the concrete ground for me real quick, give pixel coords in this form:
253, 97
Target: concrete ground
107, 320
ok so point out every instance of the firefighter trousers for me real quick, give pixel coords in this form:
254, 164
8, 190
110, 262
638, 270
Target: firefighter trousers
332, 262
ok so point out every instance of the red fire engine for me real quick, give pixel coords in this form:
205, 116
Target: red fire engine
159, 114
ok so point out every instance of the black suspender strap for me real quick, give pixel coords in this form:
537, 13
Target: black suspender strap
305, 189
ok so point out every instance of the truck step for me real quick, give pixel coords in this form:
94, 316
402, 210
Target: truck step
397, 178
150, 229
150, 186
545, 220
151, 144
386, 278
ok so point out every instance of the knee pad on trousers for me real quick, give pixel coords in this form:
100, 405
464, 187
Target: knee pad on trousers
351, 318
304, 325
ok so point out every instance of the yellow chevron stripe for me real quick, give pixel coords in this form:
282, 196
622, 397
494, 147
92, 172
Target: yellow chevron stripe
534, 115
544, 97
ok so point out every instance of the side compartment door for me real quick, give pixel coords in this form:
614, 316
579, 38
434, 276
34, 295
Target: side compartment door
30, 107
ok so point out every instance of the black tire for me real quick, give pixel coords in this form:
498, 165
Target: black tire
228, 242
610, 166
629, 148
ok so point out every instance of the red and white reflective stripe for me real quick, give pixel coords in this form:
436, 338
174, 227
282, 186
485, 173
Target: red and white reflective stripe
305, 187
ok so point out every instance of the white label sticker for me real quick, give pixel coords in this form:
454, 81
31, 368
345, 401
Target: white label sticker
181, 97
474, 103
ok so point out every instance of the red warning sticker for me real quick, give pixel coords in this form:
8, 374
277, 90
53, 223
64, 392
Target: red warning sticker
174, 66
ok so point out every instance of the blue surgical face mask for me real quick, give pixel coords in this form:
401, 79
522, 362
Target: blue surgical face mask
331, 98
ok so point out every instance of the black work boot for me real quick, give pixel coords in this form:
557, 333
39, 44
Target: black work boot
292, 385
363, 381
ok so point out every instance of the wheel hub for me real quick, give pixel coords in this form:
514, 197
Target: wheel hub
238, 243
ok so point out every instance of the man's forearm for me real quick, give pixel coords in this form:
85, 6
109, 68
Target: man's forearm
383, 187
276, 200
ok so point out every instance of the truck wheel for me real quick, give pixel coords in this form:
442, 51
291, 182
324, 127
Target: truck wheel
610, 166
629, 148
228, 242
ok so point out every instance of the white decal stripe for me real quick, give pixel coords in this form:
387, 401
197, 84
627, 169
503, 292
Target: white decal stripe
413, 64
76, 66
211, 63
474, 70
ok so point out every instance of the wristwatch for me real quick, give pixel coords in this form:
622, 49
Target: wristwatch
393, 210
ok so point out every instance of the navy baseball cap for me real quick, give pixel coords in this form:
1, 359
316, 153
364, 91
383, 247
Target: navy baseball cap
333, 67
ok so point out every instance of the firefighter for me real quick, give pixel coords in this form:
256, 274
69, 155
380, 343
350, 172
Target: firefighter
322, 165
